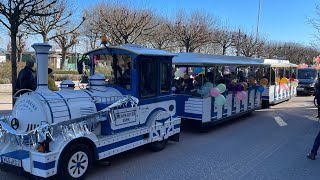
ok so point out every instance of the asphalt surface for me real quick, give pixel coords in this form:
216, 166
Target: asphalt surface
254, 147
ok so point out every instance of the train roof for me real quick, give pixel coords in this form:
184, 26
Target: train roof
198, 59
133, 48
278, 63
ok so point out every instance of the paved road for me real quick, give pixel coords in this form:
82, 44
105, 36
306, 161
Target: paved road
254, 147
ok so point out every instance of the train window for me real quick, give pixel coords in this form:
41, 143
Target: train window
148, 78
165, 80
116, 68
273, 76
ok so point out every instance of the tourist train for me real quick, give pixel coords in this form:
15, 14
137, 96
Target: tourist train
135, 96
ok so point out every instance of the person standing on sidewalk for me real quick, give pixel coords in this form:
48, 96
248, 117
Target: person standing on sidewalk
316, 143
26, 79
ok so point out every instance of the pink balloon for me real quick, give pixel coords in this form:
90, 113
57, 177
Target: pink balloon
241, 95
214, 92
283, 86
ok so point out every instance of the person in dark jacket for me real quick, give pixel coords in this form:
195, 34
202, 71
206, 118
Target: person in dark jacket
316, 143
26, 79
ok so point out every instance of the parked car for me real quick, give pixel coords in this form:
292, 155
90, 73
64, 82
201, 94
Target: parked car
307, 79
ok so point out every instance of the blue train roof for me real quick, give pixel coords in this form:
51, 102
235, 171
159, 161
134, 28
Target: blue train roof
136, 49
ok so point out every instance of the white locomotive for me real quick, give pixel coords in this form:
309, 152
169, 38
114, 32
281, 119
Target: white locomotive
63, 132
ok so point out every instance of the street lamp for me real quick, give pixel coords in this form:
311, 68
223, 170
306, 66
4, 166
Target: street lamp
257, 33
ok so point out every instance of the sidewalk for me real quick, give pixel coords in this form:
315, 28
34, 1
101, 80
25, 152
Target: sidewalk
5, 104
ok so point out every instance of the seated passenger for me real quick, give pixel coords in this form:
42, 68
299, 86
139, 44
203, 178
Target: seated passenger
241, 77
51, 83
205, 88
127, 76
175, 88
188, 86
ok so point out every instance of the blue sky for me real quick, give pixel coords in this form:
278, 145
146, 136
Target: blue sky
280, 20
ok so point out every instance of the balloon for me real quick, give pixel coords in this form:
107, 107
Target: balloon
220, 100
296, 80
284, 80
214, 92
277, 80
240, 87
264, 82
182, 69
230, 87
282, 86
222, 88
260, 88
294, 84
197, 70
178, 73
245, 86
241, 95
291, 79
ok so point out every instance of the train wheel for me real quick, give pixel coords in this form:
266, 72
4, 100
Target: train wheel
75, 162
158, 145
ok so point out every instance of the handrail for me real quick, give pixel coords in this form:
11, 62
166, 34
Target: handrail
14, 96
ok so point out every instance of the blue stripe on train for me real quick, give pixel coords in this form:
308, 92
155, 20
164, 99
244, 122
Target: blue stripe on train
119, 144
44, 166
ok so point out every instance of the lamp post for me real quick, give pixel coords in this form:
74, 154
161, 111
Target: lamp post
257, 32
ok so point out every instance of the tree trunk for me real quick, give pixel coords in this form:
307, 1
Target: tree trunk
224, 50
14, 32
19, 56
63, 58
45, 38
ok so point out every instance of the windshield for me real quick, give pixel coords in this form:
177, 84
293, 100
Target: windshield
116, 68
307, 74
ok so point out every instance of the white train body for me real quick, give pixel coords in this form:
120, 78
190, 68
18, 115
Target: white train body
96, 123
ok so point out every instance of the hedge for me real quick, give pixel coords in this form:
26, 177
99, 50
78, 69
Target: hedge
6, 73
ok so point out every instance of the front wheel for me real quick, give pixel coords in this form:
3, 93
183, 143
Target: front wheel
75, 162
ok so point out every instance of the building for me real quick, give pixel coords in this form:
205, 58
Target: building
2, 55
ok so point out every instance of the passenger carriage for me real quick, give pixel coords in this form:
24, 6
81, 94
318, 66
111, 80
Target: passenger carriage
204, 109
63, 132
282, 83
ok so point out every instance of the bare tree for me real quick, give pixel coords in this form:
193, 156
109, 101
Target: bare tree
160, 38
21, 43
91, 29
223, 37
65, 42
247, 45
46, 24
192, 32
16, 12
124, 24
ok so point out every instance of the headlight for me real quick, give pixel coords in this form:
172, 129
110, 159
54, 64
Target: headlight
312, 85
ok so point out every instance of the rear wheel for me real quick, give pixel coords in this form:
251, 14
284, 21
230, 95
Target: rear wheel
158, 145
75, 162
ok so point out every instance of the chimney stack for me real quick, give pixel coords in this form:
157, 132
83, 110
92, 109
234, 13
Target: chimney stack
42, 53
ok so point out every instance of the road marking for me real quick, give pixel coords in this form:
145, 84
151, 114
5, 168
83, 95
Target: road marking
280, 121
312, 118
